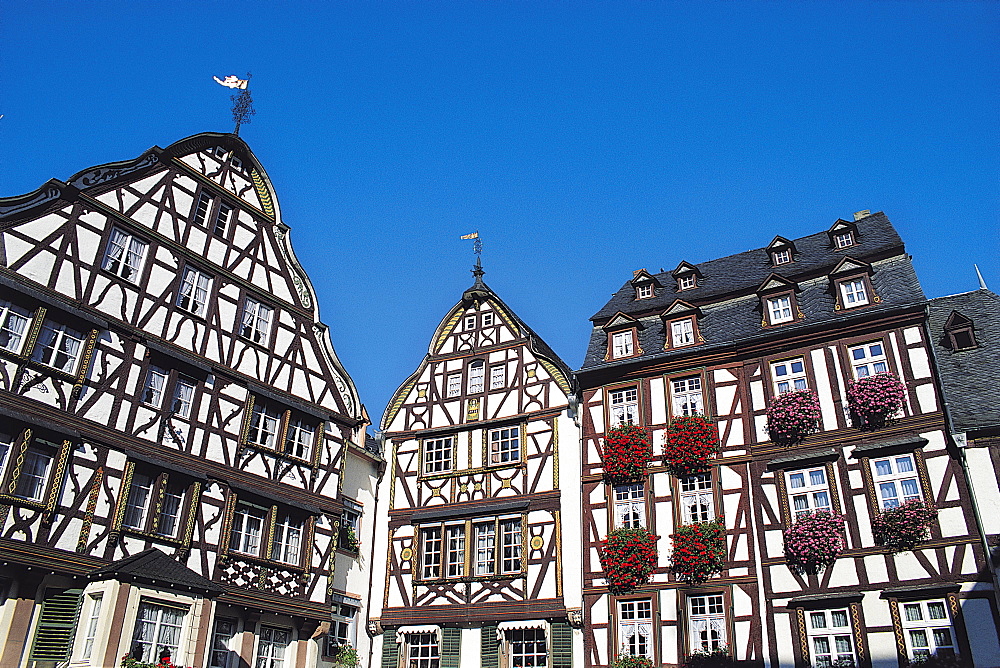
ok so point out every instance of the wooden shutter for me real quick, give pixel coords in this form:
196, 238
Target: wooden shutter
56, 625
489, 647
562, 645
390, 649
451, 645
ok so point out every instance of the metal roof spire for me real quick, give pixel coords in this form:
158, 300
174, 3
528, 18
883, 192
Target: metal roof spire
982, 282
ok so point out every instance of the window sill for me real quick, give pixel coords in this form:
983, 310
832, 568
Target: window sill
480, 469
107, 273
149, 535
276, 453
22, 502
233, 555
466, 578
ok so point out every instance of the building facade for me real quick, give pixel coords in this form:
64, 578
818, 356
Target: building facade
183, 468
726, 339
482, 545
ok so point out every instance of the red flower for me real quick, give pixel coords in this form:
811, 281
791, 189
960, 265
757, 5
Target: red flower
628, 557
699, 551
692, 441
627, 451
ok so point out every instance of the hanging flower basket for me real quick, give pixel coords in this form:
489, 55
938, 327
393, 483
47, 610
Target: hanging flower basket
691, 442
628, 557
627, 451
900, 529
346, 657
874, 401
814, 541
709, 658
629, 661
792, 416
699, 551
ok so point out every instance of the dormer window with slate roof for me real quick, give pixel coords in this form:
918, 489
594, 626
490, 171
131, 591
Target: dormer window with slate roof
645, 285
843, 234
959, 332
851, 282
778, 301
680, 322
686, 275
623, 337
781, 251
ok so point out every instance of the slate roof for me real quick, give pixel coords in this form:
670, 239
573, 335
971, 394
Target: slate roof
969, 377
731, 310
153, 567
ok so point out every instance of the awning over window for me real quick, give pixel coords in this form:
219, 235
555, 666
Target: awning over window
522, 624
403, 631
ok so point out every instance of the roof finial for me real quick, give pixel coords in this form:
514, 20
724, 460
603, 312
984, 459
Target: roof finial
477, 248
242, 103
982, 283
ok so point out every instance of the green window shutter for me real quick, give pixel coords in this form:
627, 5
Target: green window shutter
562, 645
56, 625
451, 645
489, 647
390, 649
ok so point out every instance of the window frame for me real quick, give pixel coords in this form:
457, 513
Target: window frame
830, 633
476, 377
415, 641
693, 333
626, 340
510, 643
447, 463
437, 561
161, 484
727, 623
769, 310
927, 625
673, 394
271, 661
93, 603
200, 215
498, 376
793, 376
255, 335
610, 407
10, 308
870, 359
271, 516
844, 295
22, 441
160, 606
645, 291
896, 478
844, 238
623, 502
620, 621
284, 444
688, 281
680, 494
197, 274
809, 490
213, 650
780, 256
453, 385
62, 332
137, 272
495, 454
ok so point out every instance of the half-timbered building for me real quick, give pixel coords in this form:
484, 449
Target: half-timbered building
183, 465
725, 338
481, 547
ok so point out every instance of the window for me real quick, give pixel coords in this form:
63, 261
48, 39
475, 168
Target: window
686, 396
445, 547
287, 546
253, 525
32, 479
13, 322
830, 641
868, 359
157, 629
686, 282
93, 616
644, 291
927, 629
183, 397
300, 438
783, 256
248, 524
682, 333
264, 423
437, 454
498, 377
622, 344
201, 208
58, 346
697, 501
896, 480
350, 522
455, 557
154, 503
505, 445
624, 406
527, 647
256, 323
222, 219
267, 422
853, 292
156, 382
477, 370
271, 645
510, 535
341, 628
779, 309
430, 550
487, 320
219, 152
635, 628
789, 375
630, 506
454, 387
222, 634
808, 490
422, 650
470, 322
193, 293
124, 255
236, 163
486, 541
844, 239
707, 622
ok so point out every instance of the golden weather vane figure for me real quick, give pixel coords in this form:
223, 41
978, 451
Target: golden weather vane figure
242, 102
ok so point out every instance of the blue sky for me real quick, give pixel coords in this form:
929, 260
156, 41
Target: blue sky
583, 140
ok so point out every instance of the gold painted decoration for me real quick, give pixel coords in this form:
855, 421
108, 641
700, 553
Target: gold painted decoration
472, 413
88, 517
537, 542
262, 193
406, 554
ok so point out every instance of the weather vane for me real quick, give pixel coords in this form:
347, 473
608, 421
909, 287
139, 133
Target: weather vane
477, 247
243, 102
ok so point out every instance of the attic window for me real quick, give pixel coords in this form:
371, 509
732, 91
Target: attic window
644, 291
959, 332
783, 256
487, 320
219, 152
686, 282
844, 239
236, 163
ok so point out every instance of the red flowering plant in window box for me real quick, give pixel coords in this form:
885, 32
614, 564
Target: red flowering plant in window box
875, 400
709, 658
628, 557
627, 451
699, 551
814, 541
792, 416
901, 528
691, 442
128, 661
629, 661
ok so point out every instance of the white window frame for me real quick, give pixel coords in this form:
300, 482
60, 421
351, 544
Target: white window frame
781, 256
635, 627
644, 291
789, 374
272, 645
155, 386
844, 239
526, 647
779, 309
287, 545
223, 216
686, 282
124, 255
853, 292
202, 208
696, 498
94, 604
707, 622
454, 385
511, 545
59, 347
343, 627
33, 480
629, 506
183, 397
868, 359
894, 484
498, 376
808, 490
300, 438
422, 650
477, 376
505, 445
265, 425
255, 325
161, 629
487, 320
687, 396
470, 322
220, 654
829, 628
682, 333
622, 344
927, 625
623, 406
437, 454
13, 325
431, 552
486, 548
249, 529
454, 550
194, 291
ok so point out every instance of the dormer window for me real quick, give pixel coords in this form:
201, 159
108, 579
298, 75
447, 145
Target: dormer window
779, 309
623, 337
851, 284
844, 239
644, 291
644, 284
686, 282
959, 332
783, 256
680, 323
682, 332
781, 251
622, 345
853, 292
778, 301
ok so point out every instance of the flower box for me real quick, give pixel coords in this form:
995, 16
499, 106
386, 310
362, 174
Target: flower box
628, 557
814, 541
900, 529
627, 451
691, 443
874, 401
629, 661
699, 551
792, 416
709, 658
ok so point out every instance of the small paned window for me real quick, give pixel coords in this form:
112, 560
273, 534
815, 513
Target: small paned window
93, 617
686, 282
350, 522
268, 422
201, 208
868, 359
219, 152
156, 383
487, 320
623, 406
622, 345
526, 647
264, 423
454, 385
422, 650
635, 628
928, 630
844, 239
287, 545
470, 322
236, 163
437, 454
477, 373
154, 504
430, 550
222, 634
300, 438
896, 480
13, 323
455, 546
157, 631
34, 475
696, 499
272, 643
789, 375
630, 506
830, 642
248, 526
445, 548
510, 543
486, 548
222, 217
505, 445
779, 309
853, 292
783, 256
686, 396
59, 347
498, 377
682, 333
183, 397
124, 255
256, 322
808, 491
193, 293
342, 628
707, 622
644, 291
